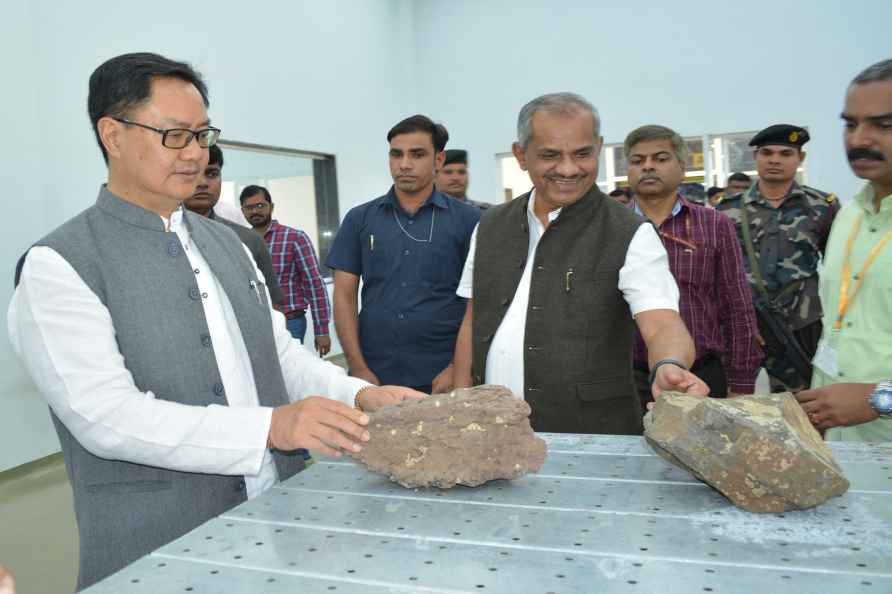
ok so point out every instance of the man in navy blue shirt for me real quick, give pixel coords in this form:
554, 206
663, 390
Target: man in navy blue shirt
408, 247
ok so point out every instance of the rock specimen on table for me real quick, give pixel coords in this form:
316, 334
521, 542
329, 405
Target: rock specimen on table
761, 452
467, 437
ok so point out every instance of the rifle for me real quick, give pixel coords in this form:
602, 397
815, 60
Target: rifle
784, 337
767, 308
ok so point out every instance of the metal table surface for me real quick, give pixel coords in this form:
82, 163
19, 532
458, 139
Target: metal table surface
604, 514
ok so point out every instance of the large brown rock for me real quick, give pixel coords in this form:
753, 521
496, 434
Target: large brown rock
468, 437
761, 452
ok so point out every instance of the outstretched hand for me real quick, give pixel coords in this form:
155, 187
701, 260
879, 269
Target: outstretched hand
671, 378
371, 399
320, 424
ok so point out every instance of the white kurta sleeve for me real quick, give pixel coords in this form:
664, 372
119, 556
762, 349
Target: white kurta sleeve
466, 284
645, 279
65, 337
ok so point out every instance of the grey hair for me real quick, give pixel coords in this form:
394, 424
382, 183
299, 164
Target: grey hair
565, 103
879, 72
655, 132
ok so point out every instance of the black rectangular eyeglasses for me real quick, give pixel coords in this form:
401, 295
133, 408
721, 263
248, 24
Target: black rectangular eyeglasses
177, 138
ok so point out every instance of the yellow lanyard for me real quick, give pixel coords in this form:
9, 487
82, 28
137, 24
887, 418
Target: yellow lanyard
845, 300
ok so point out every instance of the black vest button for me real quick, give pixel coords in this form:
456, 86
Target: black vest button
487, 338
219, 390
194, 294
505, 302
206, 340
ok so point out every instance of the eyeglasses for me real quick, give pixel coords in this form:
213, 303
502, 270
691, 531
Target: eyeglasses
177, 138
258, 206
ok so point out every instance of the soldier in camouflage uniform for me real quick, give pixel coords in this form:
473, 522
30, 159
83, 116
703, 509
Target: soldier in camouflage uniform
788, 225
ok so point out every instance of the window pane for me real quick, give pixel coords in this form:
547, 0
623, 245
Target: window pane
695, 160
620, 164
740, 154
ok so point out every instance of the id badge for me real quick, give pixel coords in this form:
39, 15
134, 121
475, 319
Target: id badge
825, 359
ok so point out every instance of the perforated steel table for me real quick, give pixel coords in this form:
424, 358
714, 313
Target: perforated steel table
603, 515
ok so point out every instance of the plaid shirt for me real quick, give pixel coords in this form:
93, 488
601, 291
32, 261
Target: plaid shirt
706, 260
297, 267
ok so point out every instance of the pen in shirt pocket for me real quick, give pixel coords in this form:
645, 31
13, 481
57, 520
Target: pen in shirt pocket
371, 242
253, 286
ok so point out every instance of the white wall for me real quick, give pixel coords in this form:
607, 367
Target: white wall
299, 74
697, 66
334, 76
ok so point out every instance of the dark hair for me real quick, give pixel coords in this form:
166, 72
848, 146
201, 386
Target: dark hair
124, 82
215, 156
625, 191
738, 176
879, 72
419, 123
714, 190
253, 191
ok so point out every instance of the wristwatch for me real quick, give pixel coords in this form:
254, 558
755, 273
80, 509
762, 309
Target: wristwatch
881, 398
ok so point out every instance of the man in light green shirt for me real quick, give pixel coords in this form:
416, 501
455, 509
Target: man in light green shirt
855, 353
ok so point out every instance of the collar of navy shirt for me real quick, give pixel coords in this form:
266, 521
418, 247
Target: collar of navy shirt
436, 198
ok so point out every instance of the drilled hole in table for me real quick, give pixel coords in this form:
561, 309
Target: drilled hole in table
258, 544
633, 582
215, 571
866, 584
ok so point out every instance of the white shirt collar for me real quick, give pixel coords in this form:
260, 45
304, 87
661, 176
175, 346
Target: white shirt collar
531, 214
176, 220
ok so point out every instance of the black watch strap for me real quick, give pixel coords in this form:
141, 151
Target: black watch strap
660, 363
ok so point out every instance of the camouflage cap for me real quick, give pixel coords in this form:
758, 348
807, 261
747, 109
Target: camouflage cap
784, 134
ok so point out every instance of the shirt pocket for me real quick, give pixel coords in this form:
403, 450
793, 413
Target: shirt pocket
380, 253
695, 268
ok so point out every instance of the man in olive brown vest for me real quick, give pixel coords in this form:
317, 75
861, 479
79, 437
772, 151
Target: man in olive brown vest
555, 280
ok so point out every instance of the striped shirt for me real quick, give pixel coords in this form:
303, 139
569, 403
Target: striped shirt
715, 300
297, 267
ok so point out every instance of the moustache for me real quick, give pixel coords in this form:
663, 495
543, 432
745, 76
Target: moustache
862, 153
648, 176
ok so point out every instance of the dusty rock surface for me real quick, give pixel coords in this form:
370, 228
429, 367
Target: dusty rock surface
466, 437
761, 452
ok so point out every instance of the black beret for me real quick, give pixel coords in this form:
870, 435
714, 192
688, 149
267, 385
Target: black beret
456, 156
784, 134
